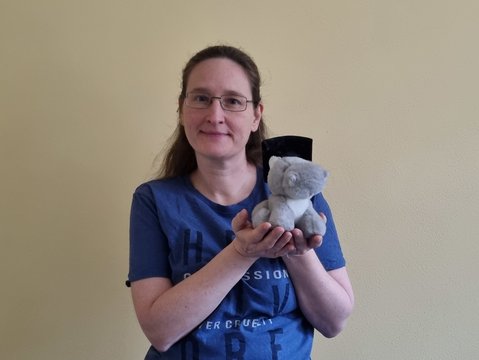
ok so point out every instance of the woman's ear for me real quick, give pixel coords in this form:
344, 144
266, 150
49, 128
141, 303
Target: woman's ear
258, 114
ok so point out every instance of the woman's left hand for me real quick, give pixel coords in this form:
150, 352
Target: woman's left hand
303, 245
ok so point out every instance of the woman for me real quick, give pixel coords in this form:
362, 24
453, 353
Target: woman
205, 283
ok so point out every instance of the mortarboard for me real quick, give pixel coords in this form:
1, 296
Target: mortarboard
289, 145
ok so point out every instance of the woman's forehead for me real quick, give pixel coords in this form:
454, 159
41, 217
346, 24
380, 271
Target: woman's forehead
219, 74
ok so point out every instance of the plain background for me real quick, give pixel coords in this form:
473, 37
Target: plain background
387, 89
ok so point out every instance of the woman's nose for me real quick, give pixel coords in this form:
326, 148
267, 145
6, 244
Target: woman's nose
215, 111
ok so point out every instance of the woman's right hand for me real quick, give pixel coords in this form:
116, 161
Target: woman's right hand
262, 241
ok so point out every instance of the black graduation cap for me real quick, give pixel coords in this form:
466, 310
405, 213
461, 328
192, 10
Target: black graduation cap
289, 145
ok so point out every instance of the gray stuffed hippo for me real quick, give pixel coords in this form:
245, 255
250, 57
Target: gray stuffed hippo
293, 181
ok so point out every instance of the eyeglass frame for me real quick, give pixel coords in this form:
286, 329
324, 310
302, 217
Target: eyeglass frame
220, 98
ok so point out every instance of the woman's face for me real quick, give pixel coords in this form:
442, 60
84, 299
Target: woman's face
214, 133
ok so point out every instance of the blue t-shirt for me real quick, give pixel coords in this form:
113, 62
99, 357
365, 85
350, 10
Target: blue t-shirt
175, 230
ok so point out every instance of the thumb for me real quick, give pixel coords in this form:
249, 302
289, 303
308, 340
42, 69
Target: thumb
240, 221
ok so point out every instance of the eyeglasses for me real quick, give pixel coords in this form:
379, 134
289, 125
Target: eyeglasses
234, 103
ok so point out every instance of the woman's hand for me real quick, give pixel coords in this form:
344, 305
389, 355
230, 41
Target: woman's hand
303, 245
262, 241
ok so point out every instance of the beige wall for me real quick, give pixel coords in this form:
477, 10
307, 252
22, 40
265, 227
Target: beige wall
387, 89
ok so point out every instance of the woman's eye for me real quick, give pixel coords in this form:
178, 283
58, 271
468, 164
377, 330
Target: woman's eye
200, 98
231, 100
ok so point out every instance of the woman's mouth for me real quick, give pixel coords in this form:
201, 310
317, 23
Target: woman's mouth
214, 133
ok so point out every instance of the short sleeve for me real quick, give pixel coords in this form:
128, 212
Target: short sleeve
329, 253
148, 244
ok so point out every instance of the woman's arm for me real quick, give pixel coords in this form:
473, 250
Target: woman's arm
167, 313
326, 298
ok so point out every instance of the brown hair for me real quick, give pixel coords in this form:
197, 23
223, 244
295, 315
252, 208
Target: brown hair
179, 158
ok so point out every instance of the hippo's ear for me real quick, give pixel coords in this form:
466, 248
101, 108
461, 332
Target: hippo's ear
272, 160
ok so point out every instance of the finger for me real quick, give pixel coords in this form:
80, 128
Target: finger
299, 239
284, 246
325, 219
286, 250
297, 233
263, 231
285, 240
273, 235
290, 247
315, 241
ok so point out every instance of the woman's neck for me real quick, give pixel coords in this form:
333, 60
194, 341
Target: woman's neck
225, 185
